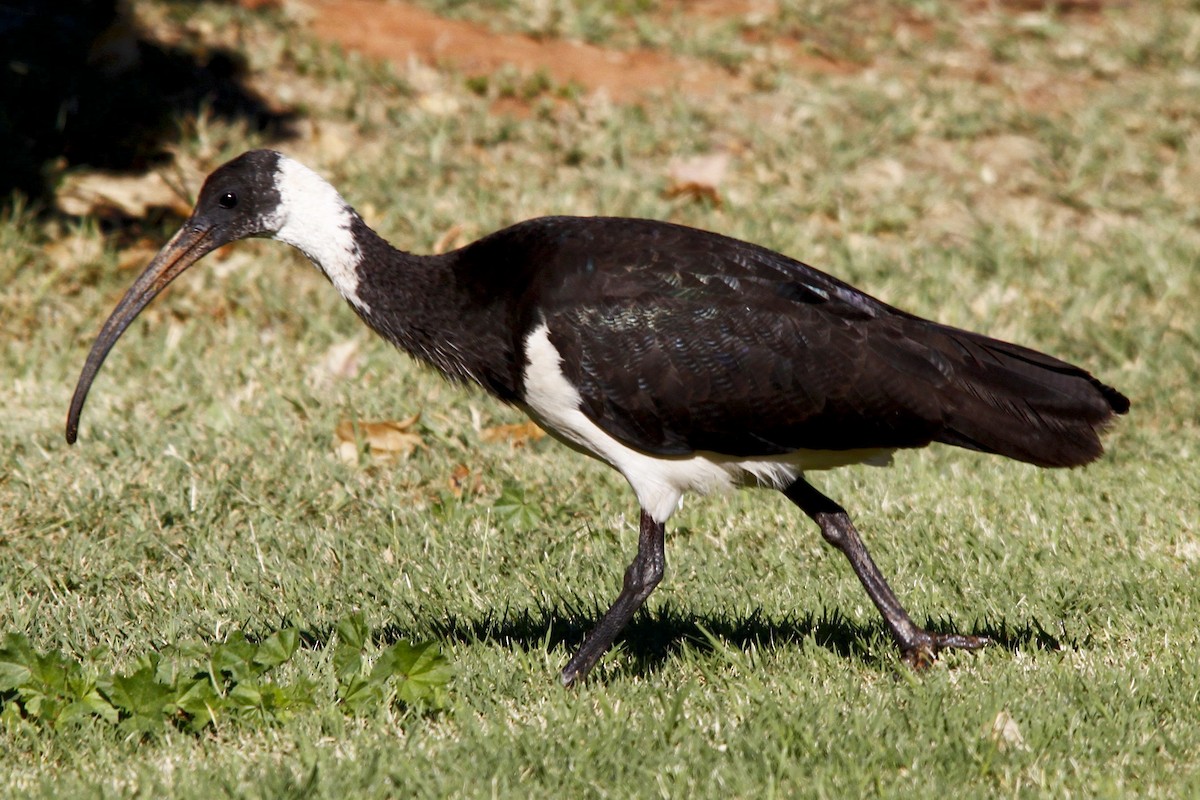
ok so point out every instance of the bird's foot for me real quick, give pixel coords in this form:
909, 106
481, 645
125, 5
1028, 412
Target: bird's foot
922, 648
575, 673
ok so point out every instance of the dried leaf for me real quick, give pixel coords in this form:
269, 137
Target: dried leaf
518, 435
698, 177
346, 450
387, 440
462, 480
102, 194
1005, 733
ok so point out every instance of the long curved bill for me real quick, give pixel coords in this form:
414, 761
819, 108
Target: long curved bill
193, 241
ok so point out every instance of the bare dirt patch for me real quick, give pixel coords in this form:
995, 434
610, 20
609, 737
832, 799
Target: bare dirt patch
399, 32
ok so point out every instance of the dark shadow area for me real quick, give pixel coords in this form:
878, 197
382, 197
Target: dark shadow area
654, 636
82, 86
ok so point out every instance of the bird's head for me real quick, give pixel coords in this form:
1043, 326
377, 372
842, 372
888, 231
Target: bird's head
240, 199
259, 193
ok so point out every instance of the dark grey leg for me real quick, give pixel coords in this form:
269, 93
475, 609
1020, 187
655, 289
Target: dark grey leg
918, 646
643, 575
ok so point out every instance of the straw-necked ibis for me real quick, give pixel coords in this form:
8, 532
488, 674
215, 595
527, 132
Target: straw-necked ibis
684, 359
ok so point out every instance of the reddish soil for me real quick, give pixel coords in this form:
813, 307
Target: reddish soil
398, 32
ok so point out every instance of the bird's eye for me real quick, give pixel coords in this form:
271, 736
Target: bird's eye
227, 200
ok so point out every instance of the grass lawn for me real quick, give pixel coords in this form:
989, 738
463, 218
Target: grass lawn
1032, 174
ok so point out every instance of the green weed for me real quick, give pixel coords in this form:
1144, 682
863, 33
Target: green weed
194, 688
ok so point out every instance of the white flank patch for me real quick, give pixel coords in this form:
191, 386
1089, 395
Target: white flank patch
659, 481
315, 219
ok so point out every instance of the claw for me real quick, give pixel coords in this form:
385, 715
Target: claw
923, 651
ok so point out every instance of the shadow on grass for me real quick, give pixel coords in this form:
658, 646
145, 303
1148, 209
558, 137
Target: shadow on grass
655, 635
82, 84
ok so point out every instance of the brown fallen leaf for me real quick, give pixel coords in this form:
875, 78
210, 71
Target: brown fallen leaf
517, 434
103, 194
698, 177
462, 480
387, 440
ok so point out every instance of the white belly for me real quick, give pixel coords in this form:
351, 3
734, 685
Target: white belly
659, 481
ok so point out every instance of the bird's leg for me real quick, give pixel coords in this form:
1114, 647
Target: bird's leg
643, 574
919, 647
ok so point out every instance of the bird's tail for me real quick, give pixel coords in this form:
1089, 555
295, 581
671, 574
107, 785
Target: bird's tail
1006, 399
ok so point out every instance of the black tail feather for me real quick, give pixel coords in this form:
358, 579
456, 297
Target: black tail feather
1006, 399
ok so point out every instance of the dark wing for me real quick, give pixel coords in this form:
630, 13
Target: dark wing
681, 340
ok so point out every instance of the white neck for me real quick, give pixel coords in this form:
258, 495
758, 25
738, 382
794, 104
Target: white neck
315, 219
